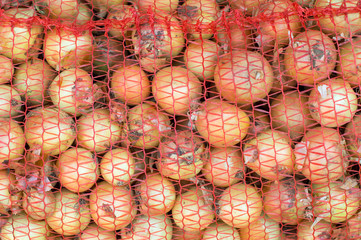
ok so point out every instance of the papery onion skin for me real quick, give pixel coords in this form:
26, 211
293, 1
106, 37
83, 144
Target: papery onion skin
352, 136
353, 228
12, 141
349, 65
123, 14
6, 182
236, 37
260, 121
57, 9
10, 102
6, 69
38, 205
180, 234
220, 230
162, 6
263, 228
104, 6
94, 232
248, 6
322, 230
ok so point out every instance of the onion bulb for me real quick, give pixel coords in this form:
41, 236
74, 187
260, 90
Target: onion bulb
149, 227
310, 58
220, 230
290, 114
270, 155
7, 194
349, 65
201, 58
180, 234
263, 228
163, 6
97, 131
57, 9
192, 210
146, 126
181, 155
308, 231
51, 129
240, 205
71, 214
19, 40
333, 103
12, 141
39, 205
125, 22
156, 195
10, 102
104, 6
247, 6
6, 69
118, 166
94, 232
243, 77
234, 36
224, 167
78, 169
176, 89
221, 123
286, 201
354, 227
334, 202
32, 80
84, 14
63, 49
111, 207
130, 84
260, 121
353, 137
24, 227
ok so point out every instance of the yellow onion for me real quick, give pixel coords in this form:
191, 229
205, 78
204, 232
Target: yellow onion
192, 210
125, 22
118, 166
10, 102
221, 123
104, 6
38, 204
310, 58
146, 126
176, 89
246, 6
51, 129
243, 77
220, 230
180, 234
32, 80
201, 58
353, 137
240, 205
12, 141
94, 232
97, 131
71, 214
270, 155
57, 9
333, 102
112, 207
6, 69
84, 14
260, 121
63, 49
24, 227
353, 227
19, 41
163, 6
234, 36
78, 169
264, 228
308, 231
149, 227
7, 195
349, 66
225, 167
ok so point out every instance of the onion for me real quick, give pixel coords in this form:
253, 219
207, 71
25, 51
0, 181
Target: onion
345, 24
349, 65
353, 137
310, 58
201, 58
64, 50
6, 4
111, 207
260, 122
248, 6
180, 234
333, 102
6, 69
84, 15
176, 89
225, 167
118, 166
130, 84
270, 155
10, 102
308, 231
93, 232
125, 22
32, 80
78, 169
51, 129
57, 9
104, 6
200, 13
192, 210
7, 193
97, 132
263, 228
286, 201
234, 36
12, 142
229, 124
149, 227
39, 205
182, 155
163, 6
290, 114
146, 126
24, 227
243, 77
19, 41
220, 230
353, 228
278, 32
71, 214
240, 205
335, 202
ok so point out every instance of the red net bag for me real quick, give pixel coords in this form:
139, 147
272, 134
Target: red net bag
191, 119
